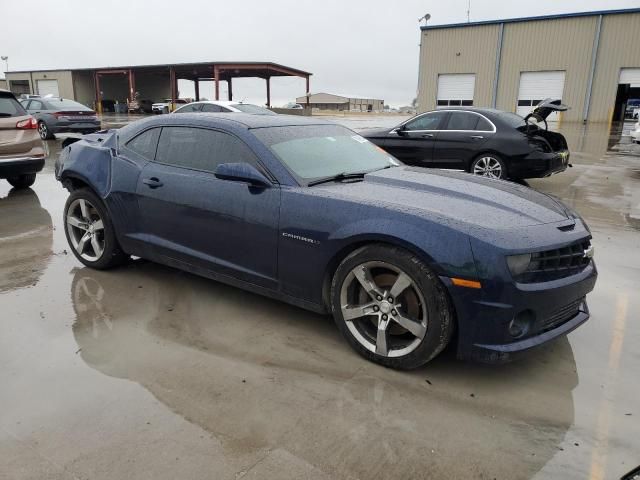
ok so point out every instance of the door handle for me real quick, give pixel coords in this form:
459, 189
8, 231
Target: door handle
477, 137
427, 135
152, 182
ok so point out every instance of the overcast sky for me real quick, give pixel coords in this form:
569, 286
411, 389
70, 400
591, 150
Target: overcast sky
363, 47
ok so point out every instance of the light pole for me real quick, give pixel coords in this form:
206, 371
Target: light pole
6, 64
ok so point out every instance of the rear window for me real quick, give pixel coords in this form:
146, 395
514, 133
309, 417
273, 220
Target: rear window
9, 107
512, 119
63, 103
255, 109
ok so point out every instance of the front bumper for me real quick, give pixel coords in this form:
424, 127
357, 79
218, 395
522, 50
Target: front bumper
539, 164
13, 167
555, 308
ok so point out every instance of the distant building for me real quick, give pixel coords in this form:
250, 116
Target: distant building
589, 60
3, 84
350, 103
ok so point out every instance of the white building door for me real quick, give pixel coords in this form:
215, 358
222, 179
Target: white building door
455, 89
630, 76
48, 87
538, 86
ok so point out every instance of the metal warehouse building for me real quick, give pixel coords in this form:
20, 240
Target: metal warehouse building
351, 103
100, 88
589, 60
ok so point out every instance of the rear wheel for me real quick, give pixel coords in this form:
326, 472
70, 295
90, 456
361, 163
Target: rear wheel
43, 130
390, 307
490, 166
90, 232
22, 181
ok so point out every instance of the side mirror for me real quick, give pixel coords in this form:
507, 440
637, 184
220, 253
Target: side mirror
401, 130
241, 172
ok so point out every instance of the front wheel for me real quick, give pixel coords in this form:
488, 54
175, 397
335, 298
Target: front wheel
490, 166
391, 307
90, 232
22, 181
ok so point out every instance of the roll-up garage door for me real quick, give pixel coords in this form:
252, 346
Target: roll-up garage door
630, 76
456, 89
48, 87
538, 86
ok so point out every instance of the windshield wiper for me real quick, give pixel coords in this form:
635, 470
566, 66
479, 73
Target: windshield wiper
338, 177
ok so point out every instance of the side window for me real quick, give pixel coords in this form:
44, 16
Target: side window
462, 121
189, 108
428, 121
35, 105
200, 148
484, 125
145, 144
211, 108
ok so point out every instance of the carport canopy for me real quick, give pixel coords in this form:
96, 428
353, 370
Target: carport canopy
205, 71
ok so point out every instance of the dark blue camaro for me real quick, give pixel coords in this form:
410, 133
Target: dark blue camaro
313, 214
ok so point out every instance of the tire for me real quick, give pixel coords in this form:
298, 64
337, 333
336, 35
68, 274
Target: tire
90, 232
44, 132
424, 307
489, 165
22, 181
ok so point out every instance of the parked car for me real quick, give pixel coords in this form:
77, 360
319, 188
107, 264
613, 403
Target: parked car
220, 106
294, 106
165, 106
21, 150
482, 141
60, 115
311, 213
632, 109
140, 106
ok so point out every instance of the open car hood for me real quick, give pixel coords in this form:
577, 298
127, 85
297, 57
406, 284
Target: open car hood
546, 108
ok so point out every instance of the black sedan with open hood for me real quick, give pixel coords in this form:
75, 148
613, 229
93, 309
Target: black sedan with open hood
482, 141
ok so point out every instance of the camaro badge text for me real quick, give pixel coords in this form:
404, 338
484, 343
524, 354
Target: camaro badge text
302, 239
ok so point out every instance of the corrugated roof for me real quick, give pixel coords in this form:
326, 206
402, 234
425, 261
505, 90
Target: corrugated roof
531, 19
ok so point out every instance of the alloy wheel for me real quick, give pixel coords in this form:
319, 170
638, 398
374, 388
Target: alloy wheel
488, 167
86, 230
384, 309
43, 131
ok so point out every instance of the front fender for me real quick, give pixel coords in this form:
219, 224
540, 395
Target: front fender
89, 163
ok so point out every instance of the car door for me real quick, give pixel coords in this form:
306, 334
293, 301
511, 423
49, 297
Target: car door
461, 139
413, 142
190, 216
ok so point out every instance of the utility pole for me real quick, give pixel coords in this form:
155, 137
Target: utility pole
469, 11
6, 64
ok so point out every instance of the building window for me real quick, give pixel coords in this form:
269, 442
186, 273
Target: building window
455, 103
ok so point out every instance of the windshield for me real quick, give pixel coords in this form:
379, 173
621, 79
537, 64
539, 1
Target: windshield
63, 103
255, 109
312, 152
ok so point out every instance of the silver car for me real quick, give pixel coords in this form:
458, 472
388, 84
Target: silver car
61, 115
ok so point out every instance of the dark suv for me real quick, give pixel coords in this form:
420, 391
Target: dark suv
21, 150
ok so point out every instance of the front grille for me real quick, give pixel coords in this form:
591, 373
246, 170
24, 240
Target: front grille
562, 315
557, 263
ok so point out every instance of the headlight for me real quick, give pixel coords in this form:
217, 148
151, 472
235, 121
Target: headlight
518, 264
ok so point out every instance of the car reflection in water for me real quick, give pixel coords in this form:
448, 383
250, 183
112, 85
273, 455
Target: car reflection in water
258, 374
26, 238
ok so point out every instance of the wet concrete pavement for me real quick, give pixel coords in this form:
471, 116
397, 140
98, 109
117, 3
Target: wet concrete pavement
148, 372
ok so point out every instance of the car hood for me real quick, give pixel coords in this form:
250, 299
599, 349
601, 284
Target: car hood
374, 132
455, 197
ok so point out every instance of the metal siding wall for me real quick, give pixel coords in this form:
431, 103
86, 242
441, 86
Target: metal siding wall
562, 44
65, 83
438, 54
619, 48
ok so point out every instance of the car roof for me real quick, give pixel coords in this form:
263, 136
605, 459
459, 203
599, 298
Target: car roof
229, 120
485, 110
223, 103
